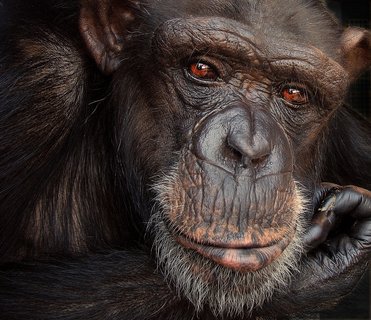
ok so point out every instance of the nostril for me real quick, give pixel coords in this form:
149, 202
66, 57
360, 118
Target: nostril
260, 162
233, 154
247, 155
255, 163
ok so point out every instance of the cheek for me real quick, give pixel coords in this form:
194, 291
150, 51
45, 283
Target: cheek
144, 142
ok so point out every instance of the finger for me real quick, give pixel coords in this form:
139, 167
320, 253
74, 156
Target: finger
361, 233
324, 219
321, 225
353, 201
322, 191
337, 203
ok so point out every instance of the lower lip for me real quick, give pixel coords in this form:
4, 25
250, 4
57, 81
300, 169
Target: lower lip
238, 259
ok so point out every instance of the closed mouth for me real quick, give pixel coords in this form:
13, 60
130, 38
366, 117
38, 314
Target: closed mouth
247, 258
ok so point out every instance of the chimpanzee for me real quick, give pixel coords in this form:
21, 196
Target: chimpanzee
183, 159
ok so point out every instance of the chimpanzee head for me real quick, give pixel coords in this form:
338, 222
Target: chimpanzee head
221, 121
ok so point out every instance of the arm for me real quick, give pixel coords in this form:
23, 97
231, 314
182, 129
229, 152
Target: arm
120, 285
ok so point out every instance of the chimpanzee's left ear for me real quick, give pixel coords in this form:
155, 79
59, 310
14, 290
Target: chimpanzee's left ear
105, 26
356, 51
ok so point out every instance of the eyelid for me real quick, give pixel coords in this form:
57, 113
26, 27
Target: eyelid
295, 85
216, 64
203, 71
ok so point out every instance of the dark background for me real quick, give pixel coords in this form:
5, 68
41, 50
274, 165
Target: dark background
355, 13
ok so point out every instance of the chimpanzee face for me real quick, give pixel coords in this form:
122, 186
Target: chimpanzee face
238, 110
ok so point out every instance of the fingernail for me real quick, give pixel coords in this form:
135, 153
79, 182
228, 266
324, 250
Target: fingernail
328, 204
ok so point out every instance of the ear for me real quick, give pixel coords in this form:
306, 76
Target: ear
356, 51
105, 26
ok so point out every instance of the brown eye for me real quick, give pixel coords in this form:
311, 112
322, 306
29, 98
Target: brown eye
203, 71
295, 95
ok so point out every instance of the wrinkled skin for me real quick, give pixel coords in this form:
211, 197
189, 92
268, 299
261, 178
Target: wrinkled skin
188, 141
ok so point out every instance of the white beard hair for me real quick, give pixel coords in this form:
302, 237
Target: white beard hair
229, 293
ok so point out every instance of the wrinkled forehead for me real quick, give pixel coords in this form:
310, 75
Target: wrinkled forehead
248, 48
304, 21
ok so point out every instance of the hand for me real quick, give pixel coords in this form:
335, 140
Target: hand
338, 244
344, 211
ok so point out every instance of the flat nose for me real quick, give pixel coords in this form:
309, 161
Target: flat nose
249, 150
242, 141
